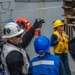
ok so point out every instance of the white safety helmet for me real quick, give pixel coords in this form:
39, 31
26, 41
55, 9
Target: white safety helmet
12, 29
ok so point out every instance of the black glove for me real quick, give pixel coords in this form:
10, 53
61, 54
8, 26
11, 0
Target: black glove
38, 24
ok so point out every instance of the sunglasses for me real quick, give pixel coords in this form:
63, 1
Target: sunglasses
18, 36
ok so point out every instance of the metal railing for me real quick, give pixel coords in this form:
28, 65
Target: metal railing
4, 9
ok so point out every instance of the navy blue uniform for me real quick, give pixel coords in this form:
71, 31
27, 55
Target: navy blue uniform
63, 56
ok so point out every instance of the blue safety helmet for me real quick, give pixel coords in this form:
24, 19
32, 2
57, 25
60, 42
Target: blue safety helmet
11, 20
42, 44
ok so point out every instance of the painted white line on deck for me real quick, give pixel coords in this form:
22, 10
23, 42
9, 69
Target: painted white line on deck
39, 8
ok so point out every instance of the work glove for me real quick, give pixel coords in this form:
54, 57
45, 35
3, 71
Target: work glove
38, 23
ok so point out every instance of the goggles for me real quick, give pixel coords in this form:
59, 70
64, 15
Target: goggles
18, 36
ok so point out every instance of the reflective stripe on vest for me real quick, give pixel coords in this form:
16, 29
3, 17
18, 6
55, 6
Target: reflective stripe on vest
45, 62
48, 65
